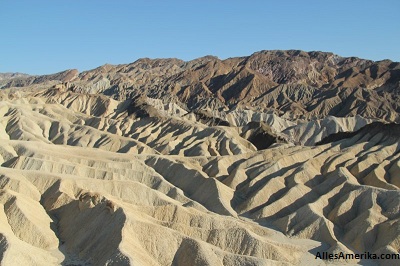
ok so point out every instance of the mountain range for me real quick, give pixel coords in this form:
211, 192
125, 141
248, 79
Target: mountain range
313, 84
268, 159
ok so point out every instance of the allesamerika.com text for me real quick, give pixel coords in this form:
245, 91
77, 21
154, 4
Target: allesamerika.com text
356, 256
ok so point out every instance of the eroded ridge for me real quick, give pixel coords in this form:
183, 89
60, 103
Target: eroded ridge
85, 179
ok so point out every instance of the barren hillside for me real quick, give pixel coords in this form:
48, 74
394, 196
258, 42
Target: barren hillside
259, 160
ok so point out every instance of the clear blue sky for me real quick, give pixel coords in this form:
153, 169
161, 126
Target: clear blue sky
41, 37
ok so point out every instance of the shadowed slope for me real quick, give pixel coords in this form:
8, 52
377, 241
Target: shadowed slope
83, 182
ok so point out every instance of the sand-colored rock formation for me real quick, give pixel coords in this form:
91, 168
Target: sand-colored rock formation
176, 178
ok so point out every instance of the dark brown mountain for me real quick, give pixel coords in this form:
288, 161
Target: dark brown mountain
303, 84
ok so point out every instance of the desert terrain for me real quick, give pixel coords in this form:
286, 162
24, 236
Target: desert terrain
266, 159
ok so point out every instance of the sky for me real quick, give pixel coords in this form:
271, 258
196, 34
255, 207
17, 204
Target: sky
44, 37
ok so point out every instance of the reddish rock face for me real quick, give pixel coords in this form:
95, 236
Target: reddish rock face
307, 84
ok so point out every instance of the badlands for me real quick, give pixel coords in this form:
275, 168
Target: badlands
270, 159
